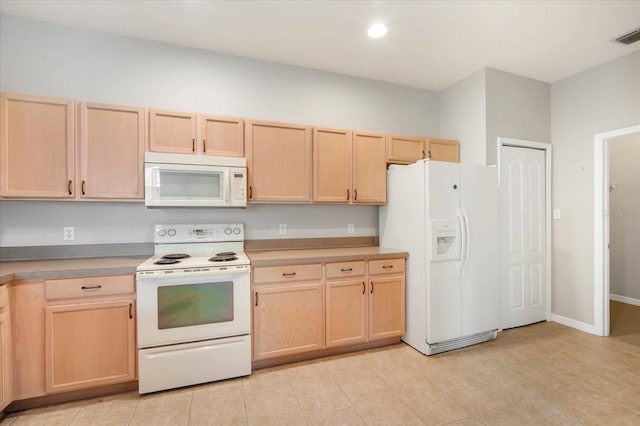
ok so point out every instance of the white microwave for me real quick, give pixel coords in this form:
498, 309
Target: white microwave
180, 180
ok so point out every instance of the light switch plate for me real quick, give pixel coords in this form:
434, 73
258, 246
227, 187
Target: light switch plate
68, 233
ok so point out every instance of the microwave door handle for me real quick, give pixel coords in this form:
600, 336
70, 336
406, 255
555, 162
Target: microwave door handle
226, 195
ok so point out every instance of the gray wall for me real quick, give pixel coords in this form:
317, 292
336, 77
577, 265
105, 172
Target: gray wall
600, 99
624, 217
462, 116
517, 107
58, 61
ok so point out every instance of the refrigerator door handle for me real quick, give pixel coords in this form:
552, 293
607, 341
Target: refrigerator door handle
465, 254
463, 240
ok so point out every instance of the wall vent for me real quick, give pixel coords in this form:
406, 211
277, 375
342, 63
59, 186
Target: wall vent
629, 38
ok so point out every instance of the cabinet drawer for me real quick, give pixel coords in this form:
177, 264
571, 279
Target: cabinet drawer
88, 287
345, 269
386, 266
277, 274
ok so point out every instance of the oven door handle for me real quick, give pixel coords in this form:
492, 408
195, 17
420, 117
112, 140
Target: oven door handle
169, 274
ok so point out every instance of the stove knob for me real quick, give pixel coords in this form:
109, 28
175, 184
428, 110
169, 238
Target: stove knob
236, 231
228, 231
171, 232
162, 232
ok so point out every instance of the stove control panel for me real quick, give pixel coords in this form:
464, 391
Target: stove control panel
210, 233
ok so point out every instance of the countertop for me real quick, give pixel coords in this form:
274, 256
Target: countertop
96, 266
343, 254
68, 268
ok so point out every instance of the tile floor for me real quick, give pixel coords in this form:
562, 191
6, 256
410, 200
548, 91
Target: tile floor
541, 374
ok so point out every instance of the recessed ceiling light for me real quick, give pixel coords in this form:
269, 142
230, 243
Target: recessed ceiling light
377, 30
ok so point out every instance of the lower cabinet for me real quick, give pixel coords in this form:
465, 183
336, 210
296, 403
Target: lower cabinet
89, 344
299, 309
288, 311
6, 373
72, 334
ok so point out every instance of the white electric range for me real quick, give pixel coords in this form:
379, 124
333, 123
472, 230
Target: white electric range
193, 296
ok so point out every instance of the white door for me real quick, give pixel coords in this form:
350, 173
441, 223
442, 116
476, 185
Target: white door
522, 216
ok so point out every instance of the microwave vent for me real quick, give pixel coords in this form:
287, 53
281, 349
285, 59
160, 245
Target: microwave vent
629, 38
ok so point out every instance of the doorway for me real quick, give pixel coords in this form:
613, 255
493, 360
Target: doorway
606, 215
525, 214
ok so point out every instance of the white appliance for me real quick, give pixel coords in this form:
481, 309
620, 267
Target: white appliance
181, 180
194, 307
446, 216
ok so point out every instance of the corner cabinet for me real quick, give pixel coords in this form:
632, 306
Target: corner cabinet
37, 150
288, 310
112, 148
89, 332
278, 162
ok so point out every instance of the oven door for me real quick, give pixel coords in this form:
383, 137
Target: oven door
192, 306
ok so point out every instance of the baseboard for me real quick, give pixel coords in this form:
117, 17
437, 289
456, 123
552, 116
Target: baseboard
569, 322
625, 299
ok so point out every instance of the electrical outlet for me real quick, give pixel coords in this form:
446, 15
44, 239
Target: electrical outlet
68, 233
557, 213
350, 228
283, 229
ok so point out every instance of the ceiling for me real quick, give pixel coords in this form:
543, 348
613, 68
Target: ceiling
430, 44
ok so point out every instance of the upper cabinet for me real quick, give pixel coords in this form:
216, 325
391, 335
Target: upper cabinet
173, 132
443, 150
186, 133
278, 162
369, 168
332, 166
405, 149
348, 167
223, 136
111, 151
36, 147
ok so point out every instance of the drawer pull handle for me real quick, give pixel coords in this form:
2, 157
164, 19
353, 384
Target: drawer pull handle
387, 267
346, 269
91, 287
288, 274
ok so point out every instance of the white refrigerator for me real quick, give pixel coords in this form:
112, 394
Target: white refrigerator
445, 215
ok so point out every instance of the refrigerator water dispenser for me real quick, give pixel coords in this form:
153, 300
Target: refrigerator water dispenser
445, 237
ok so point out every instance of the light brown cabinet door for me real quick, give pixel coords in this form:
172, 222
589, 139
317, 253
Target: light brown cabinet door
27, 326
36, 147
386, 307
222, 136
89, 344
346, 307
287, 319
6, 366
444, 150
331, 166
172, 132
405, 149
278, 162
111, 151
369, 168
